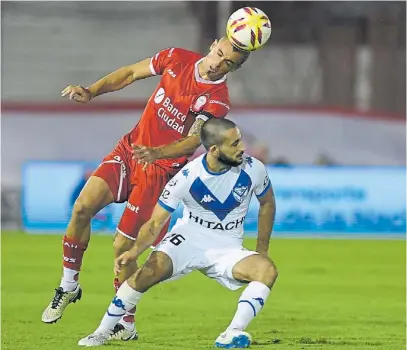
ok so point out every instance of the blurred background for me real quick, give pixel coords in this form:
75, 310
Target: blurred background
323, 104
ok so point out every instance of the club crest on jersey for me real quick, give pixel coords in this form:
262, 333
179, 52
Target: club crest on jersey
200, 102
240, 192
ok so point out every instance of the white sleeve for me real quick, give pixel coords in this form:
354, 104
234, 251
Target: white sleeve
173, 192
262, 181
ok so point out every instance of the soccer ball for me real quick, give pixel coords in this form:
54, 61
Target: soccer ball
248, 29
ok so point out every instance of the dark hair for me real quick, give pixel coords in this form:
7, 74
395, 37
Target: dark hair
212, 131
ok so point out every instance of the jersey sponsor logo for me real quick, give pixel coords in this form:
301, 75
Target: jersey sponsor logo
207, 198
132, 207
231, 225
239, 192
220, 103
200, 102
168, 112
159, 95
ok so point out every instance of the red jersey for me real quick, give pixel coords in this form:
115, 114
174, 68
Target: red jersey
179, 98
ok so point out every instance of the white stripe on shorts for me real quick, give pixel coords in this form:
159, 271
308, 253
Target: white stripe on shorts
127, 236
119, 191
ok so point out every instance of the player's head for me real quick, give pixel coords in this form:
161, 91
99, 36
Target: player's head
223, 141
223, 58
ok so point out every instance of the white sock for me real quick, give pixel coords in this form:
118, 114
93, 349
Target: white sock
68, 282
125, 299
250, 303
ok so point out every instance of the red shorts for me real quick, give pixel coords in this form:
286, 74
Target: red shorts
140, 188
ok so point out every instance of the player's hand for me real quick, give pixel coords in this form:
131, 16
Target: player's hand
122, 261
77, 93
143, 154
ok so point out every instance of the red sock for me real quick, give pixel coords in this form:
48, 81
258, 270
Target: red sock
73, 253
116, 284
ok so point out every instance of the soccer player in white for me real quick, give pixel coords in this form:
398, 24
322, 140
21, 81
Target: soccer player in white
216, 189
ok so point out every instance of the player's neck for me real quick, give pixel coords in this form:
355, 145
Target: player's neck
215, 166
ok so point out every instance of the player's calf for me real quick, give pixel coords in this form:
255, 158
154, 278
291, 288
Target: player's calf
157, 268
126, 328
261, 273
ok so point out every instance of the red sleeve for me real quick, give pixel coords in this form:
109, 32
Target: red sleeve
218, 104
162, 60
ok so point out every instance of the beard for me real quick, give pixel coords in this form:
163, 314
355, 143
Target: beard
228, 161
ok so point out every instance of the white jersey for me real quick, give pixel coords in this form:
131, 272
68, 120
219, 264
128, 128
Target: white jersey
215, 204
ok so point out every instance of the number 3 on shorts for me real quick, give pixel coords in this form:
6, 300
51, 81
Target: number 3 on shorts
175, 239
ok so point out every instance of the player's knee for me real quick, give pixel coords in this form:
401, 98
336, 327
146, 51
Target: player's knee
267, 274
157, 268
82, 210
122, 244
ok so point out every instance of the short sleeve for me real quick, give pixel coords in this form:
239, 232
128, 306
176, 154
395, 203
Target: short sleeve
174, 191
218, 105
262, 180
162, 60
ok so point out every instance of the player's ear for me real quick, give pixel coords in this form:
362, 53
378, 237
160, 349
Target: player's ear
214, 150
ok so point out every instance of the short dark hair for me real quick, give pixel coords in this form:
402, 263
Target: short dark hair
212, 131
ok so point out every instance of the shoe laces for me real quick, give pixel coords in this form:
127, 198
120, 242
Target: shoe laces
59, 293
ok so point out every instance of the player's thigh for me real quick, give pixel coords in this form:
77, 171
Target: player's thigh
115, 174
255, 267
95, 195
141, 202
182, 250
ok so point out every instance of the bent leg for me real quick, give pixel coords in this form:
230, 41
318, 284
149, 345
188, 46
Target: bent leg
261, 273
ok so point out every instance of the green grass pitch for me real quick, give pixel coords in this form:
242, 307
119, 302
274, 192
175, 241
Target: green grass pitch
331, 294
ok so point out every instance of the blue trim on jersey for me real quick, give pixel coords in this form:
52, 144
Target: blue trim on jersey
207, 200
205, 165
165, 206
264, 191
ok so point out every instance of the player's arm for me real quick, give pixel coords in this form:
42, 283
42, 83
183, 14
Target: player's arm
149, 231
184, 147
114, 81
267, 213
122, 77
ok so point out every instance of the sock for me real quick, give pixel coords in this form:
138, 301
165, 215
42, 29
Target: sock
129, 316
73, 253
125, 300
69, 280
250, 303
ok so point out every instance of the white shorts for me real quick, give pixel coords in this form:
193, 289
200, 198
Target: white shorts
190, 252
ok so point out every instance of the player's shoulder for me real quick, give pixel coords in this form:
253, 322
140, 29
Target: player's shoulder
191, 170
181, 54
252, 165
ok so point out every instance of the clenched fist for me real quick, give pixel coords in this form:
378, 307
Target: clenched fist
77, 93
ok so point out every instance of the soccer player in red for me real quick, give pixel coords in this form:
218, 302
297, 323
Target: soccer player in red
192, 89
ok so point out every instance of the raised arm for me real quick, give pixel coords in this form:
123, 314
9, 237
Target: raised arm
114, 81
